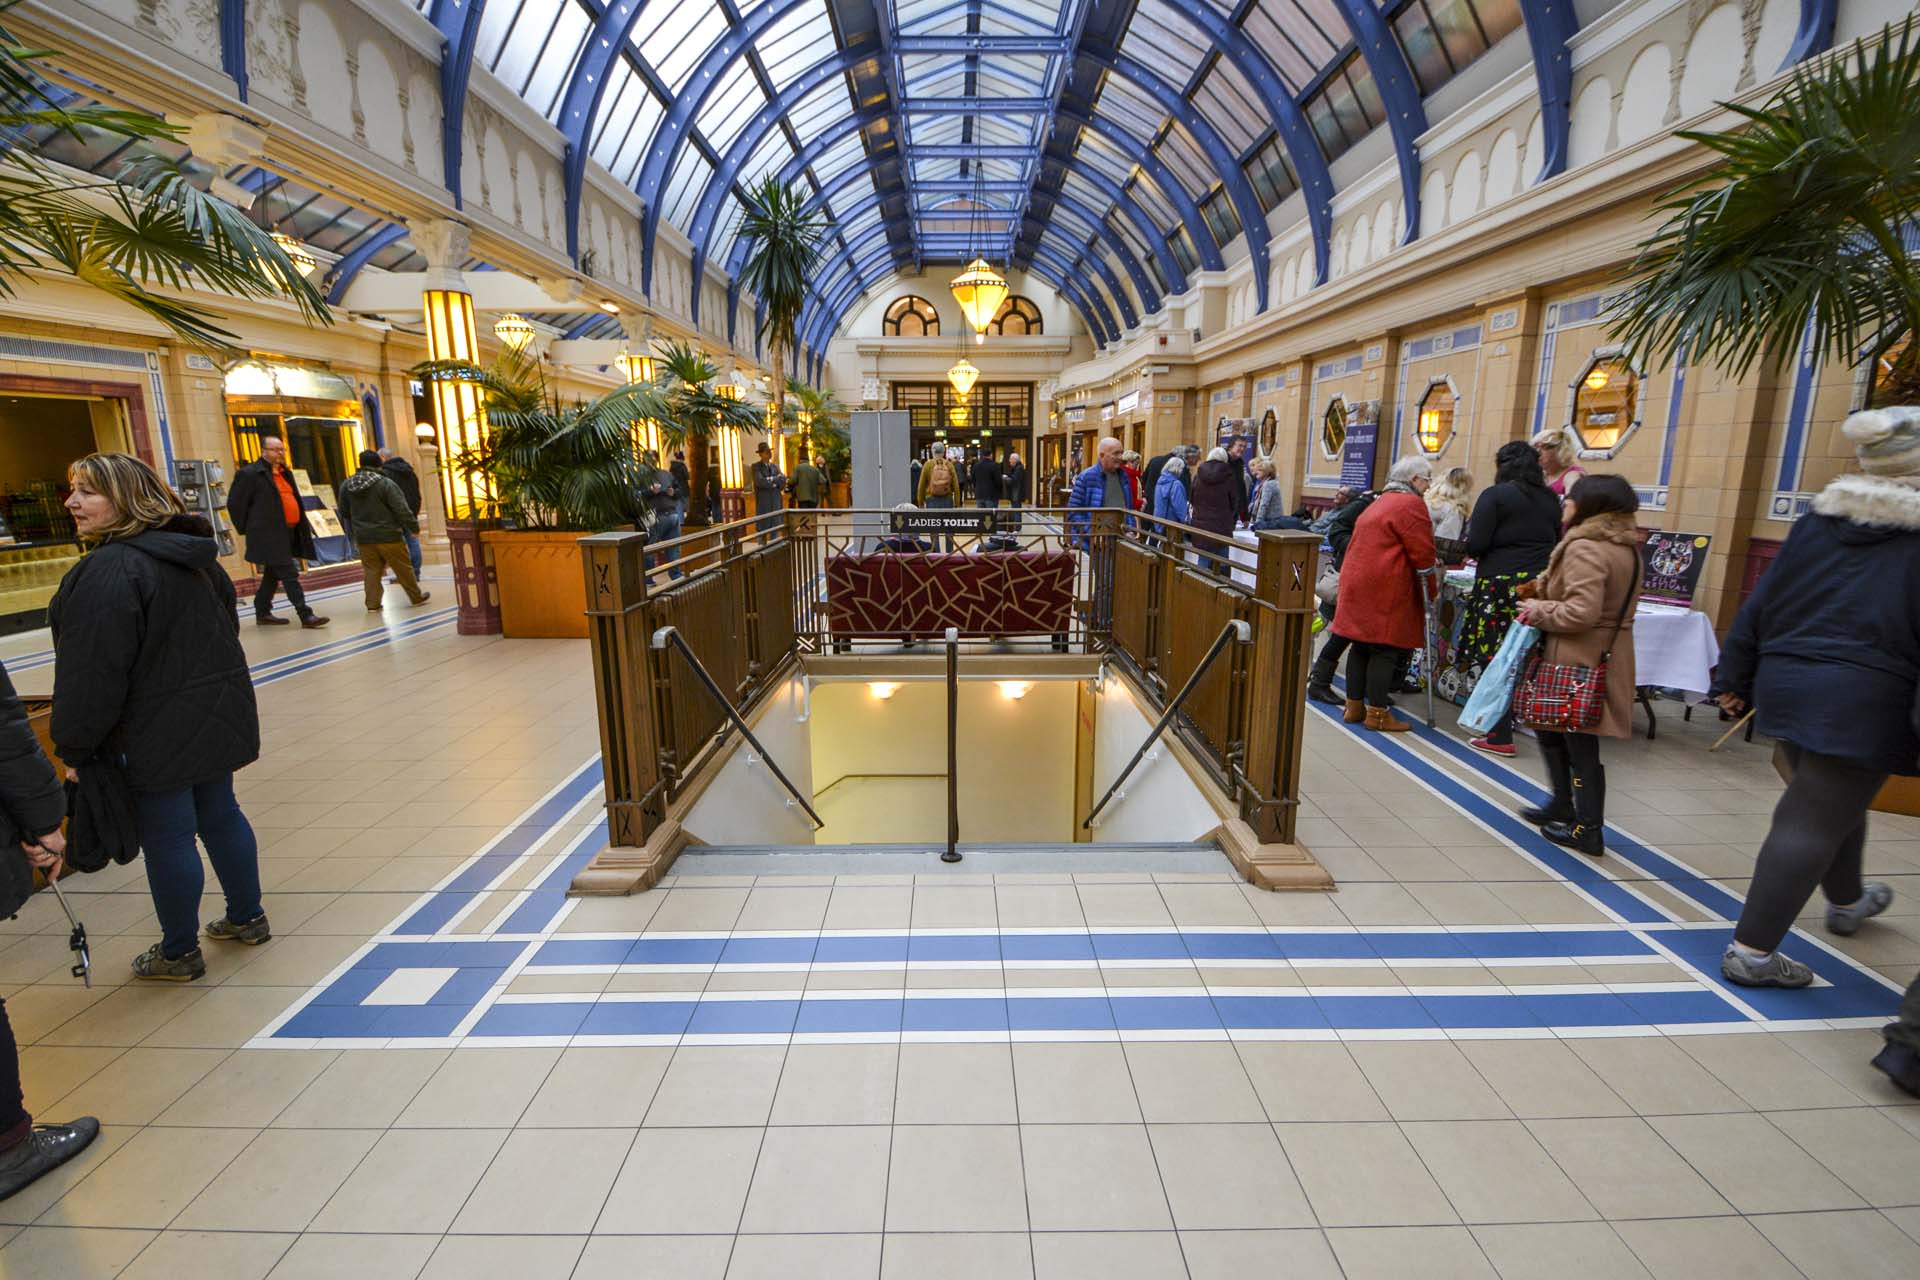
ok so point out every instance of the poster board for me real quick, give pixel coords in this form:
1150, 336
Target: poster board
1670, 565
1359, 452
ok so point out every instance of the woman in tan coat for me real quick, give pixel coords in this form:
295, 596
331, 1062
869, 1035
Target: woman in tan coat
1583, 604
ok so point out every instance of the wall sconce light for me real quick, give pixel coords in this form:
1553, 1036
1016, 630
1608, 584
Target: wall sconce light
883, 689
1598, 379
423, 433
1014, 690
611, 308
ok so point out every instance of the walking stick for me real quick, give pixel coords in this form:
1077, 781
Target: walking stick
77, 940
1737, 726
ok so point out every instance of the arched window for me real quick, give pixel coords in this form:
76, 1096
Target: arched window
1017, 315
911, 317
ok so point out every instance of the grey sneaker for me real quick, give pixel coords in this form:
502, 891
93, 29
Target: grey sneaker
1775, 971
252, 933
153, 965
1846, 921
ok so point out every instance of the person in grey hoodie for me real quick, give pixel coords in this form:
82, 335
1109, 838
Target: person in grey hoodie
381, 520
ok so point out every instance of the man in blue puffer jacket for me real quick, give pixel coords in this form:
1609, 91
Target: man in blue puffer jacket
1103, 484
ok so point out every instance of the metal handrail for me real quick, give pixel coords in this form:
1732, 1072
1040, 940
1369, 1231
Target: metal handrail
1237, 629
671, 635
952, 853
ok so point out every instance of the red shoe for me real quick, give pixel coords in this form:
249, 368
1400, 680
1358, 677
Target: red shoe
1492, 748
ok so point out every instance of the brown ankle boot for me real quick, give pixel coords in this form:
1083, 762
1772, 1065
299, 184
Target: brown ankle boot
1382, 720
1356, 711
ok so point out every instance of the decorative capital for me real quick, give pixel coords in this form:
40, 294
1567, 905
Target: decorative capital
444, 243
225, 140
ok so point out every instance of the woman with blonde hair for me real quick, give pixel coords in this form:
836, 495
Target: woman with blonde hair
1559, 459
1447, 503
150, 679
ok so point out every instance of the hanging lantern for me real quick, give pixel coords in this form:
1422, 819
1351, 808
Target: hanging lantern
958, 415
303, 261
634, 368
1598, 379
979, 290
514, 331
963, 375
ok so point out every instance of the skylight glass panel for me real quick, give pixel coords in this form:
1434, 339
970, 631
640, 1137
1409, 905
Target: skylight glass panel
813, 112
685, 31
1127, 106
1095, 150
1080, 188
735, 101
835, 159
1160, 37
1300, 37
1148, 195
934, 131
1227, 102
997, 78
724, 228
1130, 235
770, 155
628, 116
1188, 162
1010, 131
691, 173
796, 42
1018, 17
548, 81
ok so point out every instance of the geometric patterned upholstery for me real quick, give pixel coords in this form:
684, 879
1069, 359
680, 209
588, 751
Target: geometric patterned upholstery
901, 595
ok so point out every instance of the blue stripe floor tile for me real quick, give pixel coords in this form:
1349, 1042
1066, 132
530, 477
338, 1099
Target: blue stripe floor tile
419, 1021
1139, 946
1164, 1013
532, 1019
820, 1017
467, 987
767, 951
676, 951
860, 951
1374, 1013
402, 955
638, 1018
1270, 1013
1045, 946
1059, 1013
961, 1014
953, 948
583, 951
353, 986
1589, 1009
1325, 946
332, 1021
744, 1017
1232, 946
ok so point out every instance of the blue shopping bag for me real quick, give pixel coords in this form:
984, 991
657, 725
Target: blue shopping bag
1494, 693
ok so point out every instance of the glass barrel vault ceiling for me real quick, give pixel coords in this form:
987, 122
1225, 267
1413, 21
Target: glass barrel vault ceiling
923, 128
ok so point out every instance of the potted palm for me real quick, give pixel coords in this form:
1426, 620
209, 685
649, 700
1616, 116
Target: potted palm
693, 412
821, 417
1799, 230
783, 241
555, 472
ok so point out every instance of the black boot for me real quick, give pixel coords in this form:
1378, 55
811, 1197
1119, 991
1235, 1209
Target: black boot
1560, 778
1320, 678
1584, 833
1902, 1066
1323, 692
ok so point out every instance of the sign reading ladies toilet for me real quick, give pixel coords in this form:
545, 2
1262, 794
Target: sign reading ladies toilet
1362, 445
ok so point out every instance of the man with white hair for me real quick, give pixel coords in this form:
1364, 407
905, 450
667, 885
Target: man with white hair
1105, 483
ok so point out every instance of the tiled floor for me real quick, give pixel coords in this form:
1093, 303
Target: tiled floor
1479, 1058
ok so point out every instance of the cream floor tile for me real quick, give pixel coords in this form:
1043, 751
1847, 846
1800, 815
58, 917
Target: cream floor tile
597, 1088
1730, 1151
1538, 1079
956, 1178
1227, 1176
298, 961
868, 906
480, 1088
837, 1084
1689, 1248
1547, 1251
1655, 1077
226, 1017
1444, 1253
1181, 1083
51, 1072
250, 1087
547, 1182
789, 1195
413, 1180
1847, 1056
1113, 1255
1625, 1169
1038, 906
776, 906
1493, 1171
804, 1257
504, 1257
149, 1179
240, 1255
37, 1011
140, 1084
64, 1253
1092, 1178
974, 1256
352, 914
1908, 1220
1425, 1080
280, 1181
112, 959
954, 906
1123, 905
331, 874
683, 1180
1767, 1073
126, 1016
1236, 1255
628, 1257
1207, 905
362, 1089
1310, 1082
1860, 1245
717, 1085
694, 910
1363, 1175
1874, 1156
1074, 1084
955, 1084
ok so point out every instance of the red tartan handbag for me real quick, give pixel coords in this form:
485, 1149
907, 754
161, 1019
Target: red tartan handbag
1561, 696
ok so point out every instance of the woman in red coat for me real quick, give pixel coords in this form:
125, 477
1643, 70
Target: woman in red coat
1379, 607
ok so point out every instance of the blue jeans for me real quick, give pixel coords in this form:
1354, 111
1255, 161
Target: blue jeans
413, 551
665, 529
168, 822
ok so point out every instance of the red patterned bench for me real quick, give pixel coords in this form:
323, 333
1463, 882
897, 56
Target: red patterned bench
913, 595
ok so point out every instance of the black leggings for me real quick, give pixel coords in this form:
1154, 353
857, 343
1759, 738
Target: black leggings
1370, 672
1819, 829
14, 1122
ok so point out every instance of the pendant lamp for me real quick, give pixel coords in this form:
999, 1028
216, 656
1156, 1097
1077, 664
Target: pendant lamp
514, 331
303, 262
979, 290
963, 375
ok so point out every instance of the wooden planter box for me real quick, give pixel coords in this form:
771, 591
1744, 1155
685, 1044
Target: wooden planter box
840, 494
543, 592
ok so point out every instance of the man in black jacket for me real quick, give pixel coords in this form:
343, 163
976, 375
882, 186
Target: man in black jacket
264, 505
401, 472
1150, 477
382, 524
986, 481
1237, 459
32, 805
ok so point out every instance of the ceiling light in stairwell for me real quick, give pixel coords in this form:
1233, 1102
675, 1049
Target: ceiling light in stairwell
883, 689
1014, 690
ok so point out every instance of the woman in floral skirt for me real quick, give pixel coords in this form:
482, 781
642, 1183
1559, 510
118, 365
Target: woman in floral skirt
1511, 537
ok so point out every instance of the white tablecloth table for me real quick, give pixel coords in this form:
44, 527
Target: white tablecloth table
1673, 648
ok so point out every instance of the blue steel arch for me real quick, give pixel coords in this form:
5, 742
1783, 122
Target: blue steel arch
1815, 33
1121, 298
586, 85
1142, 282
350, 266
1045, 251
1551, 25
233, 44
1399, 94
1164, 179
458, 22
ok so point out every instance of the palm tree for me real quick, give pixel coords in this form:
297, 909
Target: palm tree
151, 230
550, 465
824, 416
691, 411
783, 240
1800, 229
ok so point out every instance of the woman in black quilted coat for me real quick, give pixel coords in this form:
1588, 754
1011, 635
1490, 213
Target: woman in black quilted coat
149, 677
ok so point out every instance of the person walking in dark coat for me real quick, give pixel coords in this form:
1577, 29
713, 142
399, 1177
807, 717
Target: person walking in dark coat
149, 678
1242, 482
1827, 651
1511, 535
986, 481
32, 806
769, 484
381, 525
1339, 533
1014, 488
401, 472
264, 505
1213, 507
682, 479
